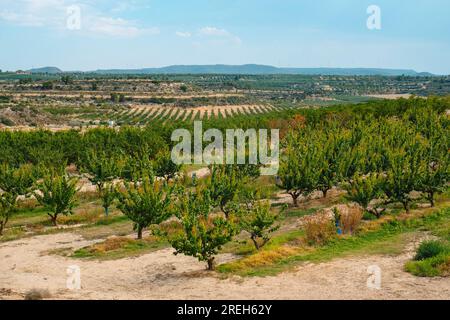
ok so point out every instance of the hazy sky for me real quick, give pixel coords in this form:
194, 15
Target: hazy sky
414, 34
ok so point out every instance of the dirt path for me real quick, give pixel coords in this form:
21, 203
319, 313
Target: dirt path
26, 264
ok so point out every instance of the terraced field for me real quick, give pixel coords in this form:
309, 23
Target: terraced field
139, 114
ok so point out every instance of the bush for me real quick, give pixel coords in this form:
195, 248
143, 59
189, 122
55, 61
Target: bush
350, 219
430, 249
319, 229
37, 294
6, 121
432, 267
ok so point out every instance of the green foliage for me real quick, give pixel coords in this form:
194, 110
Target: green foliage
7, 208
365, 189
300, 171
432, 259
66, 79
256, 218
48, 85
108, 195
435, 166
165, 167
224, 184
203, 233
146, 204
14, 182
56, 193
334, 143
6, 121
430, 249
101, 170
432, 267
403, 175
17, 181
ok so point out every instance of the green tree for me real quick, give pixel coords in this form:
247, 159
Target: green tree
203, 233
434, 175
66, 79
334, 143
48, 85
366, 189
300, 167
56, 193
257, 219
224, 184
403, 176
101, 171
146, 204
165, 167
14, 182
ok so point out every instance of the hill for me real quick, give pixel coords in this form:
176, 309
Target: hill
264, 69
50, 70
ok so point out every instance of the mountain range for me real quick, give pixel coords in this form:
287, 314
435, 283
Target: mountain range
250, 69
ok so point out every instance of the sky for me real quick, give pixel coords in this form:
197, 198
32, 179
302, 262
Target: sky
102, 34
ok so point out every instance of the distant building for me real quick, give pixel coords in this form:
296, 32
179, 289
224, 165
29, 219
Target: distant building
22, 72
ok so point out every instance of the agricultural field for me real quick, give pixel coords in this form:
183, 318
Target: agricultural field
82, 100
361, 183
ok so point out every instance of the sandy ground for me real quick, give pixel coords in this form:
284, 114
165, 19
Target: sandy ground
26, 264
391, 96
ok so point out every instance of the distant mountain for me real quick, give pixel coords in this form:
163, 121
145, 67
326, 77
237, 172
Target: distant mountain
50, 70
250, 69
263, 69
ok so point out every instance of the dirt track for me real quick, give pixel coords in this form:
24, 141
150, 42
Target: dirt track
26, 264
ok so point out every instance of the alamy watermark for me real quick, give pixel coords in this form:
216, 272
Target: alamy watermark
73, 278
239, 147
374, 280
374, 19
73, 21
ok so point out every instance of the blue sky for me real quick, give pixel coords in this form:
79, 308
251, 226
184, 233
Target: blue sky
414, 34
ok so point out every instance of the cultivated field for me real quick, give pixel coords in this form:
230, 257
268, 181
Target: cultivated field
87, 181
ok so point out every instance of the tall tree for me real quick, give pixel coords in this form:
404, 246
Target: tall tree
257, 219
403, 176
300, 167
56, 193
203, 233
364, 190
101, 170
146, 203
14, 182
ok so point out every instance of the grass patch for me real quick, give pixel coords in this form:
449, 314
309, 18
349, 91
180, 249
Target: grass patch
432, 260
120, 247
274, 259
438, 266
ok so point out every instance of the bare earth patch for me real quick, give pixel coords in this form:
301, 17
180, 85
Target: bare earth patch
26, 264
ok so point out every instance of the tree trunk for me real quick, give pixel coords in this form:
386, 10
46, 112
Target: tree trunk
106, 211
139, 232
53, 219
431, 198
211, 264
255, 242
406, 206
295, 199
225, 211
325, 191
3, 225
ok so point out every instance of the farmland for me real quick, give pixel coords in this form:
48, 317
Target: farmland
74, 100
86, 179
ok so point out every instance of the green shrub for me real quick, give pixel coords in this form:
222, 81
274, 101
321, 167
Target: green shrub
430, 249
7, 122
432, 267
